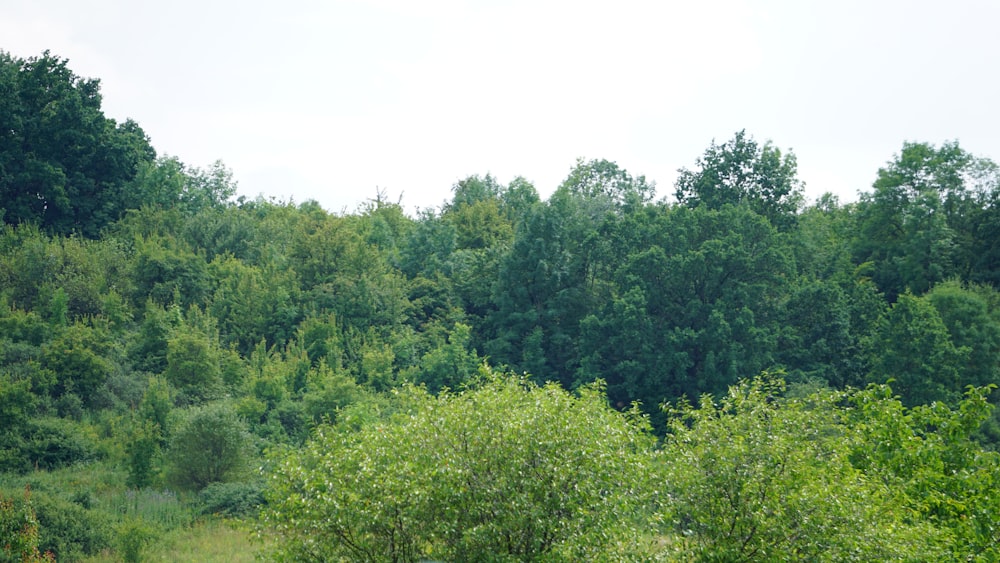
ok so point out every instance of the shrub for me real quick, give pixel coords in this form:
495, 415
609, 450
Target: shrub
133, 538
19, 531
758, 477
235, 500
504, 471
209, 445
68, 530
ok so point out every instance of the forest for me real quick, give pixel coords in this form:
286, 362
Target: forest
726, 373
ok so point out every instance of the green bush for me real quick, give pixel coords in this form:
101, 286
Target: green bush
45, 443
133, 538
505, 471
236, 500
759, 477
209, 444
19, 531
69, 530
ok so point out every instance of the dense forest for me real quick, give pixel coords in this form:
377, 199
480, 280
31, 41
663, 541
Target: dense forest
729, 373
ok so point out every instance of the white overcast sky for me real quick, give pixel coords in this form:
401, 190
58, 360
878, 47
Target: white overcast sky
333, 100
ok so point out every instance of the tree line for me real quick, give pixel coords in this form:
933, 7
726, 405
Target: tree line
149, 316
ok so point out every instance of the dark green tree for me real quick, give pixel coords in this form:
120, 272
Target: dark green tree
694, 304
63, 164
210, 444
922, 222
914, 348
741, 171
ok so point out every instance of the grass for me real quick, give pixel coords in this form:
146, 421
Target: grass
208, 541
169, 520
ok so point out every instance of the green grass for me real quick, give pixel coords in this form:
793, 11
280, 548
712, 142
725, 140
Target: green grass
177, 533
208, 541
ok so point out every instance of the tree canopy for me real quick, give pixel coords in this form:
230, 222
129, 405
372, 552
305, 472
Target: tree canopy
484, 380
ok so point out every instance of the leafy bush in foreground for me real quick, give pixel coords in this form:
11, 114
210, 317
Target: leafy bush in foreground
506, 471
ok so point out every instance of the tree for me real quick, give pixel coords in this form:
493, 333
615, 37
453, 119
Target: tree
210, 444
606, 181
193, 363
504, 471
450, 365
925, 217
741, 171
931, 465
77, 357
63, 164
760, 477
913, 347
549, 281
168, 183
972, 325
693, 304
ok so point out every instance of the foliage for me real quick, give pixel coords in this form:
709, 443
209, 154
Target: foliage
741, 172
914, 348
760, 478
19, 532
503, 471
65, 166
133, 287
234, 500
45, 443
919, 225
933, 468
69, 530
209, 444
142, 451
133, 538
193, 364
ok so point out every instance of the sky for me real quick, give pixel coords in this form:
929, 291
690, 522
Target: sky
340, 100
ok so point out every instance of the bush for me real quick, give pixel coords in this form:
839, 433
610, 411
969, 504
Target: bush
45, 443
19, 531
67, 529
133, 537
505, 471
761, 477
210, 444
236, 500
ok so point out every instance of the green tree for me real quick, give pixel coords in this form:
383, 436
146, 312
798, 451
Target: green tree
504, 471
605, 181
209, 444
972, 325
913, 347
449, 365
759, 477
931, 465
193, 363
168, 273
63, 165
548, 281
693, 305
141, 451
78, 358
922, 222
741, 171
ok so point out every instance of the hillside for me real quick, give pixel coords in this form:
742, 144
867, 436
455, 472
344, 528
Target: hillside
726, 374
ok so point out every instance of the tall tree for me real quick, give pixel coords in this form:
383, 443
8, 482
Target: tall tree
63, 164
913, 347
693, 308
741, 171
920, 224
